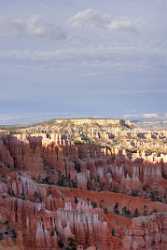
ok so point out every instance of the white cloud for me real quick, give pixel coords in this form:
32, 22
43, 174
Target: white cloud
32, 26
144, 115
115, 55
93, 18
90, 17
150, 115
111, 54
122, 24
141, 115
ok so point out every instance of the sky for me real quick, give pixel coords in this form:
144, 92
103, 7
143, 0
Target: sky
82, 58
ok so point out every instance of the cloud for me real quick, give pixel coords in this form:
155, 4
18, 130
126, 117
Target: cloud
32, 26
144, 115
150, 115
93, 18
118, 56
90, 17
122, 24
110, 54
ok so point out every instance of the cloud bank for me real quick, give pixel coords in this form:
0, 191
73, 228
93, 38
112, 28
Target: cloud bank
33, 26
93, 18
112, 52
37, 27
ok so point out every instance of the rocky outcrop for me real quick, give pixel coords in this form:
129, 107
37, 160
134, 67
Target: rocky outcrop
64, 196
147, 233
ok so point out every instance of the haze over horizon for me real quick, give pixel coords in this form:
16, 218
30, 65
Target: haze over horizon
82, 58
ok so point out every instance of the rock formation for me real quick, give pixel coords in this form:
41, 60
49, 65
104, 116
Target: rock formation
57, 194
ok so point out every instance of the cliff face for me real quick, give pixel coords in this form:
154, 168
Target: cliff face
55, 196
147, 233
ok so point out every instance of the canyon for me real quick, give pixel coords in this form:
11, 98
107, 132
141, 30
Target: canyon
83, 184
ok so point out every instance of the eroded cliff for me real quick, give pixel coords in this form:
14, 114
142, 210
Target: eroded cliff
79, 196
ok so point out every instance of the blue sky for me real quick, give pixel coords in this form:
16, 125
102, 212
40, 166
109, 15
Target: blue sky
82, 58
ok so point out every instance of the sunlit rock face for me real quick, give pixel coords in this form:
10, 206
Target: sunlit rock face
57, 194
